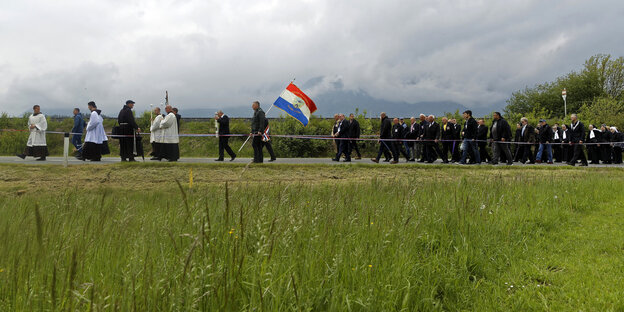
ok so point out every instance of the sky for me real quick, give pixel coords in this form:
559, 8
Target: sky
221, 54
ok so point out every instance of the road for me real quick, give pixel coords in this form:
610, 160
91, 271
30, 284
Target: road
325, 161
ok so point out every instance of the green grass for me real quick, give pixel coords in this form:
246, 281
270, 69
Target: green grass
279, 238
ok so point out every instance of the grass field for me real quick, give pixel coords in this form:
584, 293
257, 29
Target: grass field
129, 237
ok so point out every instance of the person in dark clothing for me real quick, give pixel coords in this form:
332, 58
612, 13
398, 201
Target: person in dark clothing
593, 149
447, 134
77, 130
397, 144
432, 137
517, 146
354, 134
556, 140
413, 132
178, 117
545, 137
424, 124
343, 135
500, 134
616, 138
605, 146
470, 135
127, 128
482, 136
257, 129
223, 134
527, 138
565, 147
385, 132
456, 141
577, 134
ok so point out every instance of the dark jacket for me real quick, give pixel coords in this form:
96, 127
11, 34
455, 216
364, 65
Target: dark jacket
423, 128
457, 134
470, 129
258, 121
343, 129
397, 131
354, 129
482, 133
503, 130
449, 133
559, 134
567, 134
385, 131
79, 124
178, 118
597, 136
413, 131
545, 134
433, 131
126, 121
577, 133
224, 124
518, 136
528, 135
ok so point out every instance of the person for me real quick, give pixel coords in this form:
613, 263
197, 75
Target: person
343, 134
424, 124
156, 135
76, 131
456, 140
334, 131
95, 139
385, 133
397, 143
36, 145
527, 138
500, 135
577, 133
432, 137
482, 136
605, 147
565, 144
545, 136
178, 117
257, 129
616, 141
470, 135
413, 133
447, 136
517, 146
128, 127
169, 126
405, 143
593, 149
223, 134
556, 130
354, 134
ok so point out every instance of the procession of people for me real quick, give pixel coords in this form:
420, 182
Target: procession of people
422, 139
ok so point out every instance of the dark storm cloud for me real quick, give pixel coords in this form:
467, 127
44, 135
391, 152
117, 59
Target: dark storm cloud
228, 53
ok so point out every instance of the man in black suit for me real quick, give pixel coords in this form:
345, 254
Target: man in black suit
577, 134
456, 140
343, 135
447, 134
258, 124
565, 147
500, 134
470, 135
527, 138
385, 132
423, 129
605, 146
556, 140
545, 137
397, 144
482, 135
517, 146
223, 134
354, 134
432, 137
413, 133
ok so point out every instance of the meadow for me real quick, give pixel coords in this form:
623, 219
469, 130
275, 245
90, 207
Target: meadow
142, 237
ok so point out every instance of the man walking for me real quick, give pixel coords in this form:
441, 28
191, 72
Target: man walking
343, 135
127, 128
470, 135
223, 134
385, 133
354, 134
577, 133
527, 138
500, 134
36, 145
432, 137
482, 134
412, 134
77, 130
545, 137
397, 144
257, 129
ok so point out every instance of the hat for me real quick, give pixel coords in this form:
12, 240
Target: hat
542, 120
129, 102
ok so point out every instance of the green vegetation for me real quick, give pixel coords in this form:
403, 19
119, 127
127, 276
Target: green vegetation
279, 238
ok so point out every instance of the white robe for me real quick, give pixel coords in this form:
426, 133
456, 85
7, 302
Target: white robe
95, 129
37, 135
156, 134
169, 126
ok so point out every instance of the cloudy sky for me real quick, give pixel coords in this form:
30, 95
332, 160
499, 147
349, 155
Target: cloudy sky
228, 53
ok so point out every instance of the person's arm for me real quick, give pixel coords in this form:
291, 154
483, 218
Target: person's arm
76, 124
156, 124
42, 125
167, 122
93, 122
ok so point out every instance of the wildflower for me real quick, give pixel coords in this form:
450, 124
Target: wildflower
1, 270
231, 231
482, 206
352, 269
556, 197
372, 223
370, 266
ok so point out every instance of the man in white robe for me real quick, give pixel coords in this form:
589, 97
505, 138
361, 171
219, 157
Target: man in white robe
170, 139
36, 145
96, 142
156, 135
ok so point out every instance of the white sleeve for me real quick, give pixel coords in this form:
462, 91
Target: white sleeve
42, 125
168, 122
93, 121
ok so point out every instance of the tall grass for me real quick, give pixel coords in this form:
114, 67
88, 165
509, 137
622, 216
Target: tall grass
440, 243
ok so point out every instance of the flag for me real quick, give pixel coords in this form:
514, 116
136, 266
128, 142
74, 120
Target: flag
296, 104
265, 135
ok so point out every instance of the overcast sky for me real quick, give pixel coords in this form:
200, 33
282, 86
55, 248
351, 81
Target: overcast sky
228, 53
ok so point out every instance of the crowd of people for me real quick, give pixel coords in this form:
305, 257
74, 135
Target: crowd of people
423, 140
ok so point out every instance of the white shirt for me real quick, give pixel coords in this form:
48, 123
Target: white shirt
155, 131
95, 129
37, 135
169, 125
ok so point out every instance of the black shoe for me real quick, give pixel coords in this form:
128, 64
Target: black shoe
22, 156
41, 159
582, 165
335, 159
256, 162
411, 160
386, 160
99, 159
272, 159
219, 159
233, 157
156, 158
375, 160
509, 163
123, 159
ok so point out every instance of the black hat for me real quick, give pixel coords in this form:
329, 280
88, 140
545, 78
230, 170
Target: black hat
129, 102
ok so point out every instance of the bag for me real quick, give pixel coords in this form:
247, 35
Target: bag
105, 150
116, 130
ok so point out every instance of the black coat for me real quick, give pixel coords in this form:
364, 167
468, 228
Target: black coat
224, 124
413, 131
449, 133
577, 134
433, 131
397, 131
518, 136
597, 136
503, 130
126, 121
470, 129
545, 134
385, 131
529, 134
343, 129
567, 138
423, 128
457, 134
354, 129
482, 132
258, 122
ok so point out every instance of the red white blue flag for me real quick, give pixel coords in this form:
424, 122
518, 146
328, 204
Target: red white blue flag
296, 104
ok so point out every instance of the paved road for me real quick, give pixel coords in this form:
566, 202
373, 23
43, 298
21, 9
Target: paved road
326, 161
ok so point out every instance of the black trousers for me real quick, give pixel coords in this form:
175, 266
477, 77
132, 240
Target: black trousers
579, 154
483, 153
556, 150
269, 148
399, 148
606, 152
433, 152
446, 148
354, 146
344, 147
224, 146
527, 154
257, 144
617, 155
384, 148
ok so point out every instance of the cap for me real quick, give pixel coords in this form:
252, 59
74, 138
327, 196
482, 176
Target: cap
542, 120
129, 102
